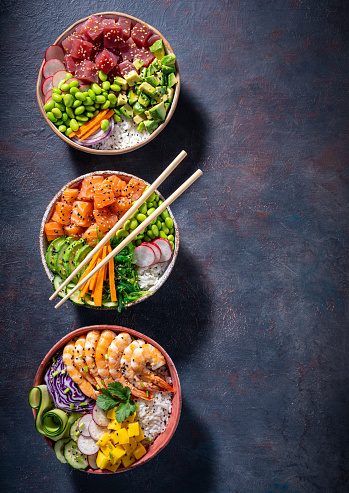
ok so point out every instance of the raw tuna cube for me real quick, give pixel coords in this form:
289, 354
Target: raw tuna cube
112, 36
87, 71
93, 27
108, 22
81, 49
152, 39
145, 55
67, 42
126, 26
97, 48
127, 49
115, 72
70, 64
140, 35
126, 67
106, 60
81, 29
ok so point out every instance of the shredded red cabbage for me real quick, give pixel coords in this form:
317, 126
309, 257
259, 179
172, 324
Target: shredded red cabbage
56, 386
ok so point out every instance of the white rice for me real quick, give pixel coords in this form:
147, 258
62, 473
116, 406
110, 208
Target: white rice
154, 415
124, 135
148, 277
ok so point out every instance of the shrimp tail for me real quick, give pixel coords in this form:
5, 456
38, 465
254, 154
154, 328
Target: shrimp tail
160, 382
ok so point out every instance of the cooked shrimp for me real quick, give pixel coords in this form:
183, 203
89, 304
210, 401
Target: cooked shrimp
79, 360
146, 358
92, 338
68, 360
101, 355
115, 352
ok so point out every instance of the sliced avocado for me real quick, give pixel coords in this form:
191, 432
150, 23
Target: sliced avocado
68, 259
122, 99
132, 77
58, 258
169, 60
158, 49
158, 112
171, 80
121, 82
152, 80
170, 93
143, 99
166, 69
143, 73
151, 125
52, 250
138, 63
138, 119
127, 111
148, 115
157, 65
81, 255
158, 97
167, 105
151, 70
147, 88
138, 109
132, 97
140, 127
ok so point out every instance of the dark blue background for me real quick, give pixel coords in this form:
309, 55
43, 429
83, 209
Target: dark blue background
255, 313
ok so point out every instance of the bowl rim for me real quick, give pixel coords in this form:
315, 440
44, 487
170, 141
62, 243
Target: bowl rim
176, 401
49, 210
108, 151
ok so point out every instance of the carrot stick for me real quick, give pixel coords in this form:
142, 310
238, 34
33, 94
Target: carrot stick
91, 123
97, 295
87, 271
93, 279
111, 277
96, 126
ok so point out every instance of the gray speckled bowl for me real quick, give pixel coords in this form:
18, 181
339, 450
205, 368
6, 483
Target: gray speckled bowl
43, 243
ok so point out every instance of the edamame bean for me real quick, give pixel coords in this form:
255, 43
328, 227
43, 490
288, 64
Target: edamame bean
51, 116
74, 90
115, 87
134, 224
118, 113
49, 105
158, 223
102, 75
150, 204
59, 122
155, 230
160, 202
151, 198
146, 238
172, 245
150, 234
127, 224
62, 128
76, 103
65, 87
57, 113
90, 108
61, 83
135, 214
68, 100
55, 90
170, 238
121, 233
96, 89
60, 106
74, 83
106, 85
68, 132
70, 112
81, 96
56, 97
163, 235
157, 198
68, 76
91, 94
141, 217
82, 118
104, 125
89, 114
96, 113
150, 211
112, 98
116, 117
88, 101
64, 117
100, 99
171, 231
143, 208
74, 125
138, 242
165, 228
79, 110
165, 214
106, 105
169, 222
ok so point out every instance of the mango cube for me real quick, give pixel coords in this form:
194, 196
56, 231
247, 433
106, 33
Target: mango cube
127, 460
114, 425
130, 419
111, 413
139, 451
140, 437
120, 437
107, 449
102, 461
129, 447
133, 429
114, 467
104, 440
119, 452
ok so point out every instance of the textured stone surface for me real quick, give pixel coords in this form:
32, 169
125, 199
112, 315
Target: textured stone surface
255, 312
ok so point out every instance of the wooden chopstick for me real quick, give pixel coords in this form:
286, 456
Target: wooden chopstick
123, 219
135, 232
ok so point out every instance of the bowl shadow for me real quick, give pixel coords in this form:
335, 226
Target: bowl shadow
184, 465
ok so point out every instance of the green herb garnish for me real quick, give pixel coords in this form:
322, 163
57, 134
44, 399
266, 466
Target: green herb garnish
119, 396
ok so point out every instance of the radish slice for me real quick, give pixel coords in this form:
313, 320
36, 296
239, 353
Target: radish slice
84, 87
48, 96
165, 247
58, 76
51, 67
143, 255
46, 85
83, 425
54, 52
91, 459
96, 431
99, 416
87, 445
156, 250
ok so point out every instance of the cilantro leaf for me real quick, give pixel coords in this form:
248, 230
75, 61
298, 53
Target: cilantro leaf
106, 401
124, 410
119, 391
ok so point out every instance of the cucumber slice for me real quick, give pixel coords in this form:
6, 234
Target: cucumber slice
40, 399
74, 457
88, 300
68, 259
52, 250
54, 424
75, 297
58, 258
75, 427
57, 282
110, 304
59, 447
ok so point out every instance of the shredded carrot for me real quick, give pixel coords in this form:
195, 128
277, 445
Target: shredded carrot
97, 295
97, 125
111, 277
91, 123
87, 271
93, 279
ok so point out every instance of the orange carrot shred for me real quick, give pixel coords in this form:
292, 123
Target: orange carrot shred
98, 292
93, 279
91, 123
111, 277
96, 126
87, 271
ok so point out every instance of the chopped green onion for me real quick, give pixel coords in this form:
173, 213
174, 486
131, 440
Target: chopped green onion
110, 446
106, 356
103, 382
66, 390
137, 406
97, 387
142, 384
84, 404
71, 406
80, 356
63, 372
55, 373
53, 360
81, 425
147, 393
79, 459
77, 434
110, 455
147, 439
86, 368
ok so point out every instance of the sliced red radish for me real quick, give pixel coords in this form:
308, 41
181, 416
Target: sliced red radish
46, 85
99, 416
96, 431
143, 255
54, 52
165, 247
91, 459
48, 96
87, 445
157, 251
83, 425
51, 67
84, 87
58, 77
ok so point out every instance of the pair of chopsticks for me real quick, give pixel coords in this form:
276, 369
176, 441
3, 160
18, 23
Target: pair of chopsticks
122, 221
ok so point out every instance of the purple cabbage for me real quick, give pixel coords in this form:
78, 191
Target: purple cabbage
56, 386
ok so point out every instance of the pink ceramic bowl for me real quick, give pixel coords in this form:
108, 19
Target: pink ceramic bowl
162, 440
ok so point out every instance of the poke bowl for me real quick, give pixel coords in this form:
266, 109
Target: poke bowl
99, 414
108, 84
81, 214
